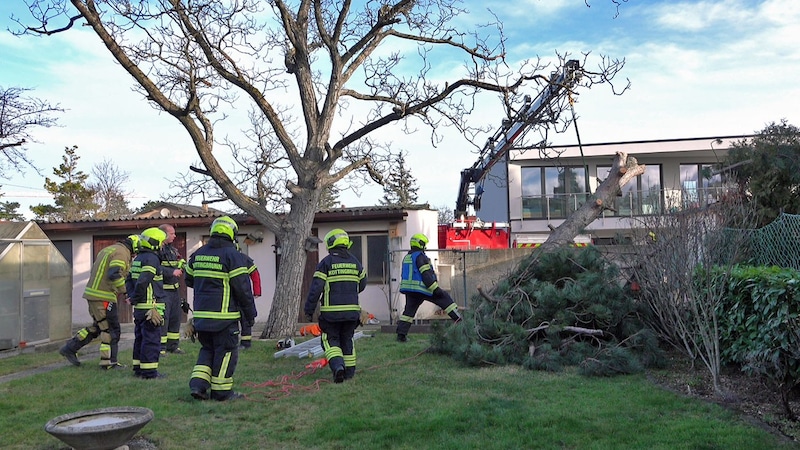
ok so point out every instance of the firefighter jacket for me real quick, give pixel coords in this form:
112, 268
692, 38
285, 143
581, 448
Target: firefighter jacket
145, 288
219, 275
418, 275
338, 280
110, 268
171, 260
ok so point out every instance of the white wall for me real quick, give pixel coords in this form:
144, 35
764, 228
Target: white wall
375, 298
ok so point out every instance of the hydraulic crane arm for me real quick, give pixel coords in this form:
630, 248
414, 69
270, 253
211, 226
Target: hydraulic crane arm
533, 112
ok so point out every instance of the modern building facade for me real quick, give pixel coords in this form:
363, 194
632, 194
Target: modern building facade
536, 191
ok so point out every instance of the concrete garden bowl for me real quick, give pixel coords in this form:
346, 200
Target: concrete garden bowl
99, 429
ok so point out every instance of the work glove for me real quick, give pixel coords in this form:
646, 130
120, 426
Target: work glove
188, 331
309, 317
155, 317
185, 306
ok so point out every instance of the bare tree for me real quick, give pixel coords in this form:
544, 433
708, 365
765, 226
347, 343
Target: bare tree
109, 190
674, 271
319, 79
18, 115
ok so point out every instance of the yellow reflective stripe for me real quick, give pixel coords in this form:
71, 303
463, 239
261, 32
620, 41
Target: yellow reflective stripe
337, 278
172, 286
334, 308
217, 315
238, 271
210, 274
147, 366
105, 295
119, 282
117, 263
321, 275
424, 267
150, 269
202, 372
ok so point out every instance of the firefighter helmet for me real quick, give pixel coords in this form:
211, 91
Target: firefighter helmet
152, 238
419, 241
337, 238
134, 241
225, 226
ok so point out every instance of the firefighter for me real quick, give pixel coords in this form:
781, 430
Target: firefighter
338, 280
219, 275
172, 265
106, 285
146, 293
419, 283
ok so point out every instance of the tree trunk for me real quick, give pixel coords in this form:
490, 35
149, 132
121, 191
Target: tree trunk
286, 303
624, 169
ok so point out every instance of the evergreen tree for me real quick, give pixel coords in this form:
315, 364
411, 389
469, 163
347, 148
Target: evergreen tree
765, 169
400, 187
329, 198
73, 199
8, 211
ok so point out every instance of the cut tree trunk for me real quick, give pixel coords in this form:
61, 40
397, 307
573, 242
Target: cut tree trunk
624, 169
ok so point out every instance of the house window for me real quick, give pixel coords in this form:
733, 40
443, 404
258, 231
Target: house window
552, 191
372, 250
700, 186
639, 197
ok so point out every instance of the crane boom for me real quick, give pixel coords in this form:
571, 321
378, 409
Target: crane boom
532, 113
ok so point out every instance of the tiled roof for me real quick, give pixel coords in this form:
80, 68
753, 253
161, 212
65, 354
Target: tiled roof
204, 218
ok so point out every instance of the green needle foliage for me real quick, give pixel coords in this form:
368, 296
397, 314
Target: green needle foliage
557, 309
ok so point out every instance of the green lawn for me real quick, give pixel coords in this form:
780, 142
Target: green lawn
402, 398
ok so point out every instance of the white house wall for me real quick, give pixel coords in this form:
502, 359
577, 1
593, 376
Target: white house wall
374, 299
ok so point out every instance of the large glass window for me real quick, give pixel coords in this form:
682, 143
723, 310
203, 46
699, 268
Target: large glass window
699, 184
372, 250
552, 191
639, 197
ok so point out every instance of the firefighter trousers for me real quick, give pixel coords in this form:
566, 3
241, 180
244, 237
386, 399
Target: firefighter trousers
414, 301
146, 345
337, 341
216, 362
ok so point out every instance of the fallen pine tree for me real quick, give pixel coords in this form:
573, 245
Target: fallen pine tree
564, 307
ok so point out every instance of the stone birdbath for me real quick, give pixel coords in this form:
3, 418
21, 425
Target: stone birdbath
99, 429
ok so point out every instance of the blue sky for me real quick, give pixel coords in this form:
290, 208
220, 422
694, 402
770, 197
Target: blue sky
697, 69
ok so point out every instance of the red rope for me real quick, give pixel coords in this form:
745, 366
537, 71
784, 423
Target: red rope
284, 385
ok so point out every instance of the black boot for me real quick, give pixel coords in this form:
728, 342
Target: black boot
401, 338
67, 352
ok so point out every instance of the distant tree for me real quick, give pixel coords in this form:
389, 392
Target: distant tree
148, 206
399, 186
445, 214
329, 198
74, 199
766, 170
8, 211
18, 114
109, 190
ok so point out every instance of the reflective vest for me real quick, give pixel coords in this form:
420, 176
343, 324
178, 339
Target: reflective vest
411, 281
